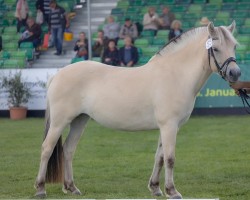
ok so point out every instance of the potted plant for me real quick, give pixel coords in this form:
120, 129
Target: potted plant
18, 95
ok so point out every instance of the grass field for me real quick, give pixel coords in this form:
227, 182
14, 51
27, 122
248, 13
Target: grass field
212, 160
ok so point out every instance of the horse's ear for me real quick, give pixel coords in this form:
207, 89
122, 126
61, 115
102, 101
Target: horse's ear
211, 30
231, 28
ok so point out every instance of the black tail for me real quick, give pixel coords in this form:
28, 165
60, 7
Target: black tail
55, 165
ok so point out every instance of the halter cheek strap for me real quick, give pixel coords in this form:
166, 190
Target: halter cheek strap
220, 69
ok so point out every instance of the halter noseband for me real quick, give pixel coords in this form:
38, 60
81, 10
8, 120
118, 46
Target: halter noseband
224, 65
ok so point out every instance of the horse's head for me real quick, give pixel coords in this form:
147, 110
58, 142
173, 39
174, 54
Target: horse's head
221, 47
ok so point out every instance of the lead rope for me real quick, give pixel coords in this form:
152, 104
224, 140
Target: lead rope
244, 97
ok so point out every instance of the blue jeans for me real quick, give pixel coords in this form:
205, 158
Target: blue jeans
57, 35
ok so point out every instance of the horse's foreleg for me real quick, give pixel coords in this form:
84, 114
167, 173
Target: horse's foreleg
154, 181
168, 136
69, 147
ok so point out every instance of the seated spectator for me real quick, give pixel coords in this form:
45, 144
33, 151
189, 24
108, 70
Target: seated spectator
167, 17
111, 29
151, 20
81, 46
175, 30
204, 21
128, 29
111, 54
32, 33
99, 44
128, 55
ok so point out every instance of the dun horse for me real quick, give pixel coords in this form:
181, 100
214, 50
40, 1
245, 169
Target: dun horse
159, 95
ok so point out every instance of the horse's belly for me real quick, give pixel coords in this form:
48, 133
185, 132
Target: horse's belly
123, 116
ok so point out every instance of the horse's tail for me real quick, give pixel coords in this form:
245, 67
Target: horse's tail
55, 165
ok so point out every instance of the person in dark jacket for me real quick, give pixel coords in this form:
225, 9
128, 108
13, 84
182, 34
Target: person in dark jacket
175, 30
128, 54
81, 46
32, 34
111, 54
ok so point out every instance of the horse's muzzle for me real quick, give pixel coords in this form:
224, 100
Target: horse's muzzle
233, 73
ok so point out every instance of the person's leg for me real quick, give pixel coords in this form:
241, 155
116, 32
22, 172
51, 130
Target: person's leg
18, 25
54, 36
59, 40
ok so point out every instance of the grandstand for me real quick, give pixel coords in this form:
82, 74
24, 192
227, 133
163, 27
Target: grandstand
189, 12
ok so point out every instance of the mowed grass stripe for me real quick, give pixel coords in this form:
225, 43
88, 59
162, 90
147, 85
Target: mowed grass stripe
212, 160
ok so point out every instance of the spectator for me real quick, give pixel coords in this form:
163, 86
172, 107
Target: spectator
175, 30
111, 54
81, 46
128, 55
58, 20
32, 33
111, 29
22, 11
99, 44
204, 21
43, 5
167, 17
151, 20
128, 29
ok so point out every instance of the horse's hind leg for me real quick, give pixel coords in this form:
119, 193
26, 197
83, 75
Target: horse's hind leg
69, 147
154, 181
48, 146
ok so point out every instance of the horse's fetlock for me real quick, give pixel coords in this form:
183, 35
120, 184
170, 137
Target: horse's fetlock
170, 190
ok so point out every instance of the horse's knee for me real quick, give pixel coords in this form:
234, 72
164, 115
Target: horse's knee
170, 162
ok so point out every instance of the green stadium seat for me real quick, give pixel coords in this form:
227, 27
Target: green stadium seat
143, 60
11, 30
123, 4
137, 3
243, 39
217, 2
244, 30
117, 11
199, 1
237, 14
193, 8
120, 43
75, 60
241, 48
4, 55
10, 64
141, 42
132, 11
212, 7
243, 1
10, 46
179, 8
228, 6
243, 6
160, 41
230, 1
167, 2
162, 34
26, 45
247, 22
147, 33
209, 14
97, 59
150, 51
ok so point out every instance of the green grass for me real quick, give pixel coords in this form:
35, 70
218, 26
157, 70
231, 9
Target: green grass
212, 160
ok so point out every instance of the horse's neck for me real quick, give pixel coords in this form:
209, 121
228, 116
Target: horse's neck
190, 63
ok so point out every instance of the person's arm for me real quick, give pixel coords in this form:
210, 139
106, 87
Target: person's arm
240, 85
147, 20
135, 31
121, 33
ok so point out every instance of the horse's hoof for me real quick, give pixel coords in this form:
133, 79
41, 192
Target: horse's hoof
158, 193
77, 192
176, 197
40, 195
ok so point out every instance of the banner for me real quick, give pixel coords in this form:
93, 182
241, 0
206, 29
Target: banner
30, 77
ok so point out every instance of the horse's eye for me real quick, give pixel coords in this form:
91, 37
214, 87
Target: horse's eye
215, 49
